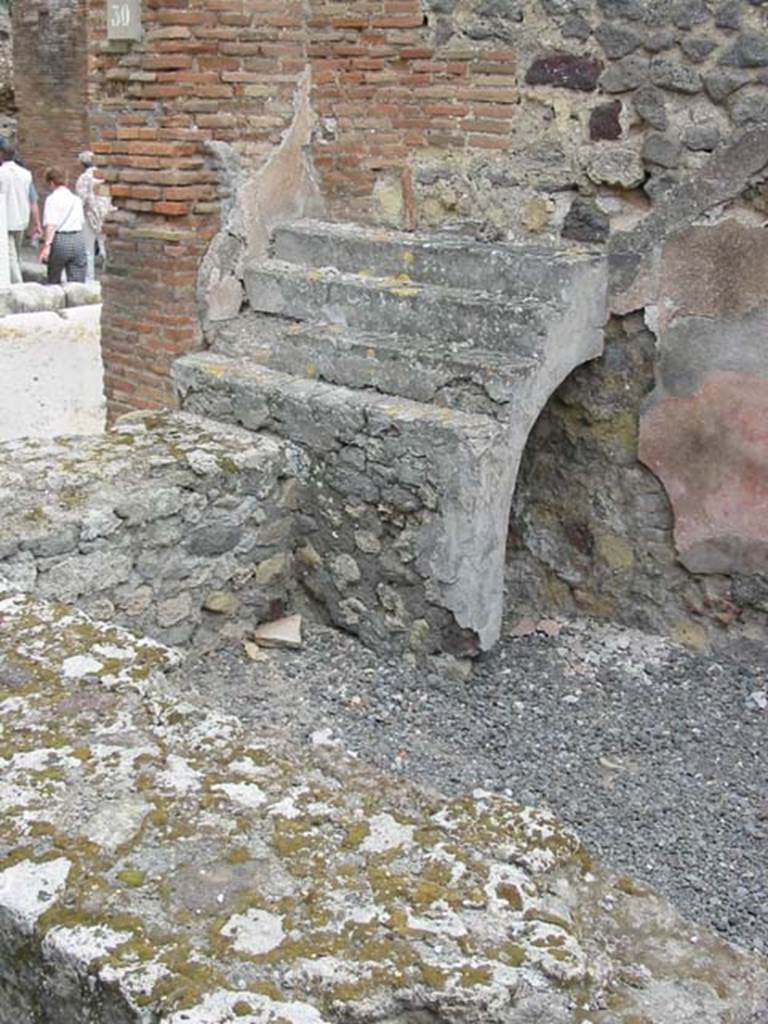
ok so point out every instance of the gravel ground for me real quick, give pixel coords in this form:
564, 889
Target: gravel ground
657, 757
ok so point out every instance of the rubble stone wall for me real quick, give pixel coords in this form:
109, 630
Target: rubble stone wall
161, 860
469, 110
166, 525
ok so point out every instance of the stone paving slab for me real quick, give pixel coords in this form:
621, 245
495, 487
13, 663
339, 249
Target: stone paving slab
159, 863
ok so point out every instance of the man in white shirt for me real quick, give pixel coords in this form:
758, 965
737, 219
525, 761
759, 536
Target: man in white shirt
16, 183
63, 243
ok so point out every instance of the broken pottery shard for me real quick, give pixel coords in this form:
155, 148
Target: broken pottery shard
280, 633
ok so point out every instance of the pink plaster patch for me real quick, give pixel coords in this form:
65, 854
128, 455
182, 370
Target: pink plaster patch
710, 450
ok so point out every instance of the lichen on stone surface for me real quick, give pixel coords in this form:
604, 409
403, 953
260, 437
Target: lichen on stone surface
198, 873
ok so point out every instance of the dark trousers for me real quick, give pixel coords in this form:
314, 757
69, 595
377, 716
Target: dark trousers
67, 253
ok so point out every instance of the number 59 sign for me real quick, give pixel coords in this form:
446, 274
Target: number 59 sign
123, 19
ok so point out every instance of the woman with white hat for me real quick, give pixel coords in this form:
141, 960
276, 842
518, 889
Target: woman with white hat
96, 207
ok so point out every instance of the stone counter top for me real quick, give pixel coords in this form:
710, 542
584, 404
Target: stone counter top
159, 863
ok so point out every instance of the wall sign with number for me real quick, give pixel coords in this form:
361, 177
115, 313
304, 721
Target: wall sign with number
123, 19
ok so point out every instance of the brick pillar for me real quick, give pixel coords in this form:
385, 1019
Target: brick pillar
50, 52
203, 70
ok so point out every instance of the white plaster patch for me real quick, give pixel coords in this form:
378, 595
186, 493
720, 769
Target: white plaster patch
256, 932
218, 1007
448, 924
13, 706
55, 364
83, 943
329, 970
13, 795
79, 666
245, 766
117, 822
179, 775
137, 981
112, 651
27, 889
363, 915
285, 808
247, 794
386, 834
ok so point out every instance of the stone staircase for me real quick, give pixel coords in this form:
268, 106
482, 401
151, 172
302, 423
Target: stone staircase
410, 369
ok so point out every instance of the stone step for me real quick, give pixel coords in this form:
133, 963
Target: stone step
460, 376
430, 313
443, 259
405, 507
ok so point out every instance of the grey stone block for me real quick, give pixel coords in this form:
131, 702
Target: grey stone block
467, 378
686, 14
626, 74
76, 294
617, 40
585, 222
674, 77
749, 51
728, 15
34, 273
576, 27
750, 110
662, 150
48, 545
701, 138
698, 48
649, 104
31, 298
214, 539
663, 39
721, 84
632, 10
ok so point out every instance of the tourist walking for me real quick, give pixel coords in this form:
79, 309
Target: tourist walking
63, 243
96, 207
20, 206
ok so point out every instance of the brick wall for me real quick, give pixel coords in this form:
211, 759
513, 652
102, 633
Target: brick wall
221, 69
388, 87
50, 55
